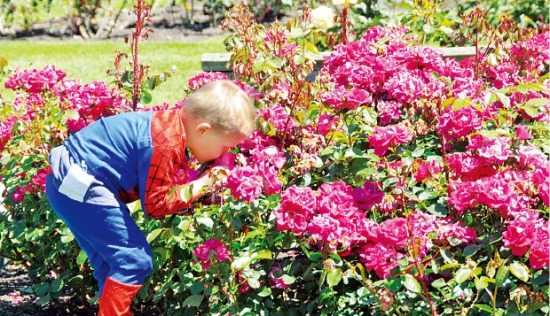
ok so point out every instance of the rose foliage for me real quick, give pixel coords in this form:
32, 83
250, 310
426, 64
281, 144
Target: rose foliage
395, 182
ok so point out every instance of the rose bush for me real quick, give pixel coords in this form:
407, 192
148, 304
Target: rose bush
395, 182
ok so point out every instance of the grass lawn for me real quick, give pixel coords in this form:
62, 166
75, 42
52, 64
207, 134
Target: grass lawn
90, 60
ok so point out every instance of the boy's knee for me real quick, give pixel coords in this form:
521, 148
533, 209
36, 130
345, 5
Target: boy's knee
133, 267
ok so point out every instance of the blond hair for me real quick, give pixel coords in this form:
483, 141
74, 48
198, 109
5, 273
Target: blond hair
225, 105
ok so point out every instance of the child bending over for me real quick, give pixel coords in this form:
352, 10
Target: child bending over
130, 156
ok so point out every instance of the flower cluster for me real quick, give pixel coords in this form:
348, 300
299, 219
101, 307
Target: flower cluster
211, 251
389, 136
331, 218
528, 232
482, 176
39, 96
259, 173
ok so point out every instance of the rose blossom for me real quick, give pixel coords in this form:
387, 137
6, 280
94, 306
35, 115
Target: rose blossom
496, 150
203, 78
296, 209
368, 195
245, 183
336, 199
326, 123
522, 132
457, 124
394, 232
426, 170
389, 136
380, 258
322, 18
212, 250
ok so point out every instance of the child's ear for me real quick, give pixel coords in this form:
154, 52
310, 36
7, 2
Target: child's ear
203, 127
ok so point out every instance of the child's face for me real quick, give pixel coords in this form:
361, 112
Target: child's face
212, 144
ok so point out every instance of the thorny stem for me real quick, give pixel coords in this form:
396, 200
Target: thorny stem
141, 11
427, 297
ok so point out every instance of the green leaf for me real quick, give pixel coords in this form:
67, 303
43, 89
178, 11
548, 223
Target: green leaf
334, 276
502, 275
439, 283
389, 182
314, 256
537, 102
206, 221
471, 250
428, 195
480, 283
450, 266
503, 98
299, 59
154, 234
197, 288
483, 307
193, 300
460, 103
254, 283
146, 97
394, 284
288, 279
241, 262
67, 238
412, 284
296, 32
70, 114
463, 274
57, 285
258, 66
41, 288
540, 277
81, 258
418, 152
44, 300
262, 254
275, 62
265, 292
520, 271
186, 191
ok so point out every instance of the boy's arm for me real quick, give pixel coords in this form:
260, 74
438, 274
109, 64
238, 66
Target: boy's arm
161, 195
205, 183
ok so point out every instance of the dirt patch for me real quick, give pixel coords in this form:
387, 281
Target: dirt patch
15, 294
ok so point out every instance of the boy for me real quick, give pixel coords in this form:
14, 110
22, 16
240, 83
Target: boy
133, 156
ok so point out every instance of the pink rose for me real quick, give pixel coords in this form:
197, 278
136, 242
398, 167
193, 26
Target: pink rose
367, 196
211, 251
245, 183
496, 150
522, 132
457, 124
395, 232
326, 123
336, 199
203, 78
297, 208
426, 170
464, 196
389, 136
380, 258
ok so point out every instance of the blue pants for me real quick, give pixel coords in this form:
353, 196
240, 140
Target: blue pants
109, 236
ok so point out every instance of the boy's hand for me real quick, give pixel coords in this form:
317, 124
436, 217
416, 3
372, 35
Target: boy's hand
209, 182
